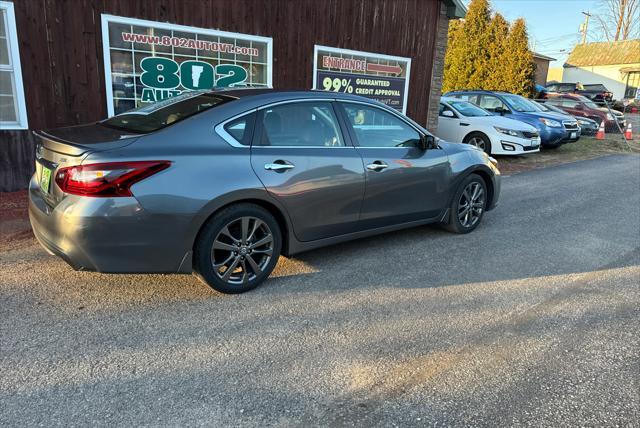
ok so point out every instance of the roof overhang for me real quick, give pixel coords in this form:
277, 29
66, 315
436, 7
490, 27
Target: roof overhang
455, 9
546, 58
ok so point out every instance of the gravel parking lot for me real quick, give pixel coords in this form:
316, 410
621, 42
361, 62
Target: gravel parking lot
533, 319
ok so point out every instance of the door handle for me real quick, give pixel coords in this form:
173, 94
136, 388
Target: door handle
278, 166
464, 124
377, 166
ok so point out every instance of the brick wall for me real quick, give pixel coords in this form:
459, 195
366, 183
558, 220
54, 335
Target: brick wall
438, 68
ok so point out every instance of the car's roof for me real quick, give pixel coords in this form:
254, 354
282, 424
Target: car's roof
275, 94
487, 91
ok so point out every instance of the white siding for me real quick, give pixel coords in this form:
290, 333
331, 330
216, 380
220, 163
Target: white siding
609, 75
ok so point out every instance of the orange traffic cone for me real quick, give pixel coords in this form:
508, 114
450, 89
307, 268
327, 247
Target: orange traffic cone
600, 133
628, 134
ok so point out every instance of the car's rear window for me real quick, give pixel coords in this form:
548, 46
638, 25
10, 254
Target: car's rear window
595, 87
153, 117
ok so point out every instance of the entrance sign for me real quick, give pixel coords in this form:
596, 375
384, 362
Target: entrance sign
383, 78
148, 61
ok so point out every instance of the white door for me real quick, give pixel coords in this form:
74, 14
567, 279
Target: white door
448, 125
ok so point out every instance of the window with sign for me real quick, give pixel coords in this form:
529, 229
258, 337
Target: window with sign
308, 124
13, 113
375, 127
148, 61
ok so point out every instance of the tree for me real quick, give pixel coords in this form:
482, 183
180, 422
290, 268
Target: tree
467, 53
498, 41
619, 19
484, 53
519, 70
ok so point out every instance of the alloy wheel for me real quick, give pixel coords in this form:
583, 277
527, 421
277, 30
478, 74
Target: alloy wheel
471, 204
478, 142
242, 250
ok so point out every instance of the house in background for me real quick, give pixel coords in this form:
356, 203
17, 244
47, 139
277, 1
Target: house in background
542, 67
614, 64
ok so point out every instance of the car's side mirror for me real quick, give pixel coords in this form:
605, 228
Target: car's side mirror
427, 142
579, 107
502, 111
448, 113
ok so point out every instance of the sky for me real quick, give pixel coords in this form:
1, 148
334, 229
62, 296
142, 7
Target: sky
553, 25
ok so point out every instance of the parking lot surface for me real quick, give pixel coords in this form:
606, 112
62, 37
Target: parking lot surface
533, 319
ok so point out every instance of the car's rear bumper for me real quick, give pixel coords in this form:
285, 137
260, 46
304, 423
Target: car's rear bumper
107, 234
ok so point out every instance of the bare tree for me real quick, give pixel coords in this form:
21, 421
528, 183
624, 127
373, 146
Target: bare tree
618, 19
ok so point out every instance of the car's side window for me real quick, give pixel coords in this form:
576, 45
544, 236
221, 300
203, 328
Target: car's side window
491, 103
241, 129
569, 103
466, 97
311, 124
552, 88
374, 127
444, 108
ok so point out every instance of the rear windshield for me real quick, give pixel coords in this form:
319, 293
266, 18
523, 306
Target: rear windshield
595, 87
153, 117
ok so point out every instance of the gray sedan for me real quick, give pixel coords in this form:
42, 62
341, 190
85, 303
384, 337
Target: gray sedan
221, 183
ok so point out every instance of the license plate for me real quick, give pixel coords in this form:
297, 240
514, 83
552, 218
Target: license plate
45, 179
574, 134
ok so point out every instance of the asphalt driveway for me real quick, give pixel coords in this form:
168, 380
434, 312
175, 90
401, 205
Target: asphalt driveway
533, 319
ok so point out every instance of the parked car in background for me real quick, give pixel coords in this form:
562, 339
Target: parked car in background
224, 182
595, 92
578, 105
587, 126
463, 122
555, 129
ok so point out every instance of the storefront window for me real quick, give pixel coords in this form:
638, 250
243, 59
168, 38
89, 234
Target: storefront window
148, 61
13, 114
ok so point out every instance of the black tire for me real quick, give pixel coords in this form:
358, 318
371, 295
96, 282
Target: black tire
455, 223
553, 147
485, 142
249, 262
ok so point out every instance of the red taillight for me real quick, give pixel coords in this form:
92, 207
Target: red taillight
106, 179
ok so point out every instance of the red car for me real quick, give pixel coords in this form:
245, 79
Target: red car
581, 106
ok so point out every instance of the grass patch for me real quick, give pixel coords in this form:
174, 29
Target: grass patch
585, 148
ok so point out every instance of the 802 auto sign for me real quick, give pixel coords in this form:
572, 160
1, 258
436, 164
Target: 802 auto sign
161, 76
147, 61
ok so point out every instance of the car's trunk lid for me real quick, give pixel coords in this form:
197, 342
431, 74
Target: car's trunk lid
62, 147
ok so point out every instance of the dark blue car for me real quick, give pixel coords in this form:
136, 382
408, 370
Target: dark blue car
555, 129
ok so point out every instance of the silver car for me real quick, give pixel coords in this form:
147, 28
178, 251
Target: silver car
221, 183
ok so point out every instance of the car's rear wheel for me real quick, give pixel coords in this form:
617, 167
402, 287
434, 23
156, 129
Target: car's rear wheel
237, 248
468, 205
479, 140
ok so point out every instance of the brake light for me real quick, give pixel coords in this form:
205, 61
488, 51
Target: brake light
106, 179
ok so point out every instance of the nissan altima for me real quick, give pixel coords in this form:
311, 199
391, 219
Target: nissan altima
221, 183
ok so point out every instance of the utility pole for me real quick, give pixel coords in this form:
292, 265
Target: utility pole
585, 26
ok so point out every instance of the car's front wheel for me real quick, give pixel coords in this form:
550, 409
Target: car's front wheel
468, 205
480, 141
237, 248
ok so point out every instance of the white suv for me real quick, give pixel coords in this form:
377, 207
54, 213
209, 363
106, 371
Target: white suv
462, 122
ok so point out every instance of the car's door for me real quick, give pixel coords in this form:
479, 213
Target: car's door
404, 182
304, 161
450, 124
493, 104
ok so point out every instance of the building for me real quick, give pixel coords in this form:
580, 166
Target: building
542, 67
616, 65
64, 63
